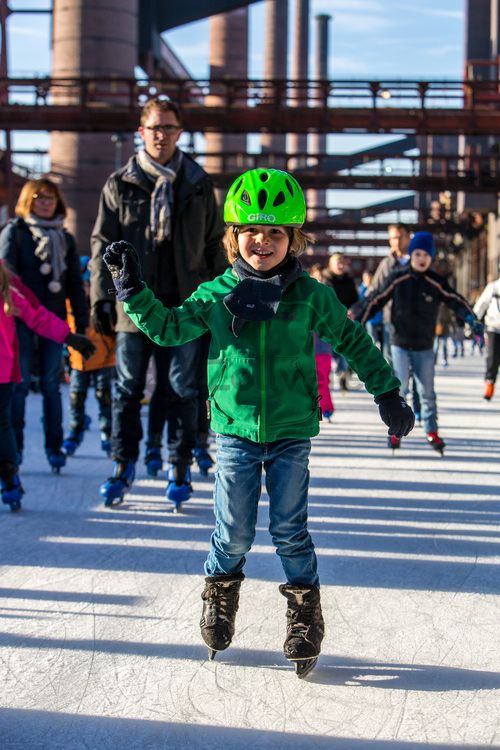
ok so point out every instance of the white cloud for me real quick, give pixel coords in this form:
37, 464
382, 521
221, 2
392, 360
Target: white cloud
28, 31
444, 50
360, 24
332, 6
343, 64
458, 15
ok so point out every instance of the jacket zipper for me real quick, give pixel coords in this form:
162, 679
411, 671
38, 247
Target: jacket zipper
262, 346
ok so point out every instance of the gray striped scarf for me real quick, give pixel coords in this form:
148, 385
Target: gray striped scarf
51, 247
162, 197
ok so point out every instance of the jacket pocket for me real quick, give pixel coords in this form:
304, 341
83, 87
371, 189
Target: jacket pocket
292, 395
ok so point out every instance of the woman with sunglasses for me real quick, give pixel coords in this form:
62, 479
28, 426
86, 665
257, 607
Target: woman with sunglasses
43, 254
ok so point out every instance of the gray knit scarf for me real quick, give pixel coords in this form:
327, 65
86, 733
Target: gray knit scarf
162, 197
51, 247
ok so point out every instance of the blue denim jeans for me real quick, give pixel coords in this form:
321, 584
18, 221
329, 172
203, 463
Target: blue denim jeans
176, 393
79, 384
48, 354
7, 437
421, 364
236, 495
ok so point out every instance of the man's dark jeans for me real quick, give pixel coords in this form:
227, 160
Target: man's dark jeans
177, 394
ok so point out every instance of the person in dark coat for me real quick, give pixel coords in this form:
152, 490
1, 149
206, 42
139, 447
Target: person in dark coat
38, 248
163, 203
416, 292
338, 278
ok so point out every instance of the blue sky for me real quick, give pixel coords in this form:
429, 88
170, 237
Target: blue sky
370, 39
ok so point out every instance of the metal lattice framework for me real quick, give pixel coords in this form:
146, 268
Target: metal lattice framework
109, 104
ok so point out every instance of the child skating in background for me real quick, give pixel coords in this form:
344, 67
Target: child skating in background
416, 292
487, 307
16, 300
263, 393
98, 369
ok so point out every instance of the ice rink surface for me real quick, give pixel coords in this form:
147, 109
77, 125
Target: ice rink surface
100, 646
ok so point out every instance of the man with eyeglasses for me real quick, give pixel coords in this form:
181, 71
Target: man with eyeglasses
163, 203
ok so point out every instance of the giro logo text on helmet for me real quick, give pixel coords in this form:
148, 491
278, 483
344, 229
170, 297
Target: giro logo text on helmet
268, 218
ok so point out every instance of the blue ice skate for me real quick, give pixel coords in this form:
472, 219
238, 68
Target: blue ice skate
11, 490
179, 487
204, 460
71, 443
114, 488
56, 459
106, 443
153, 461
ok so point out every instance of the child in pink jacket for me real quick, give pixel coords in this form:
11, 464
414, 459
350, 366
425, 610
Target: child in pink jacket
16, 300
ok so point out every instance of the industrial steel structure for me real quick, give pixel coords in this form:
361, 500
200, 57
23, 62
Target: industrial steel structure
450, 128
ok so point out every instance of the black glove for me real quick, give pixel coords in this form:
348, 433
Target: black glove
103, 317
476, 326
81, 343
123, 264
396, 413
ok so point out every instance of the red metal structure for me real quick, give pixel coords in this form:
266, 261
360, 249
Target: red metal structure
107, 104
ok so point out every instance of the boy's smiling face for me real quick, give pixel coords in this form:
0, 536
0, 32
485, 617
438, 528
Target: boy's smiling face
263, 246
420, 260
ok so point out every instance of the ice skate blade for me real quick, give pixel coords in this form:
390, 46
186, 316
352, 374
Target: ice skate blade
112, 501
303, 667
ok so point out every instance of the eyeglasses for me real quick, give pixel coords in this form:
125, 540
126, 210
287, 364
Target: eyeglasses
165, 129
45, 197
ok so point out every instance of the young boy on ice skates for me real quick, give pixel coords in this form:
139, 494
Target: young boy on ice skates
263, 393
416, 292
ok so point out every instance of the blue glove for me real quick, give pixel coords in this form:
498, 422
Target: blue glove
476, 326
123, 264
396, 413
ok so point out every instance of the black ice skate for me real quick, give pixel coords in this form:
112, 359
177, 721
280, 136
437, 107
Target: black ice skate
220, 604
305, 627
436, 442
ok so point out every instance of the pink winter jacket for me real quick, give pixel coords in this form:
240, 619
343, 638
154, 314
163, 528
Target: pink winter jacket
36, 316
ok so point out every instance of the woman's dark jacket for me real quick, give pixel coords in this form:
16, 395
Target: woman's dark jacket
17, 248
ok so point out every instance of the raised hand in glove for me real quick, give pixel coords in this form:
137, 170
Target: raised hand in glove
103, 317
123, 264
396, 413
81, 343
476, 326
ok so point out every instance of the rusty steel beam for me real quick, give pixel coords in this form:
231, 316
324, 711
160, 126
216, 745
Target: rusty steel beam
113, 118
487, 183
110, 104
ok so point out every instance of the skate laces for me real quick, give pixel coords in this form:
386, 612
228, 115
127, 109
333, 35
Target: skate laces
301, 619
221, 599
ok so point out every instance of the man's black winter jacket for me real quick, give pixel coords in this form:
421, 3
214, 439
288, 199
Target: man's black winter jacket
415, 303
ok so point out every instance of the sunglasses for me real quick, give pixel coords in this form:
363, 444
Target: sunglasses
45, 197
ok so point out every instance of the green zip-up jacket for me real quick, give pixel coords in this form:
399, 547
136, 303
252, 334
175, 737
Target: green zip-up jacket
262, 384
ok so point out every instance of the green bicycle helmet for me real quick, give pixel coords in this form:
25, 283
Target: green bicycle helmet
265, 196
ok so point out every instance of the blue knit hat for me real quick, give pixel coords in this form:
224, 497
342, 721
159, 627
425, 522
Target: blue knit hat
422, 241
